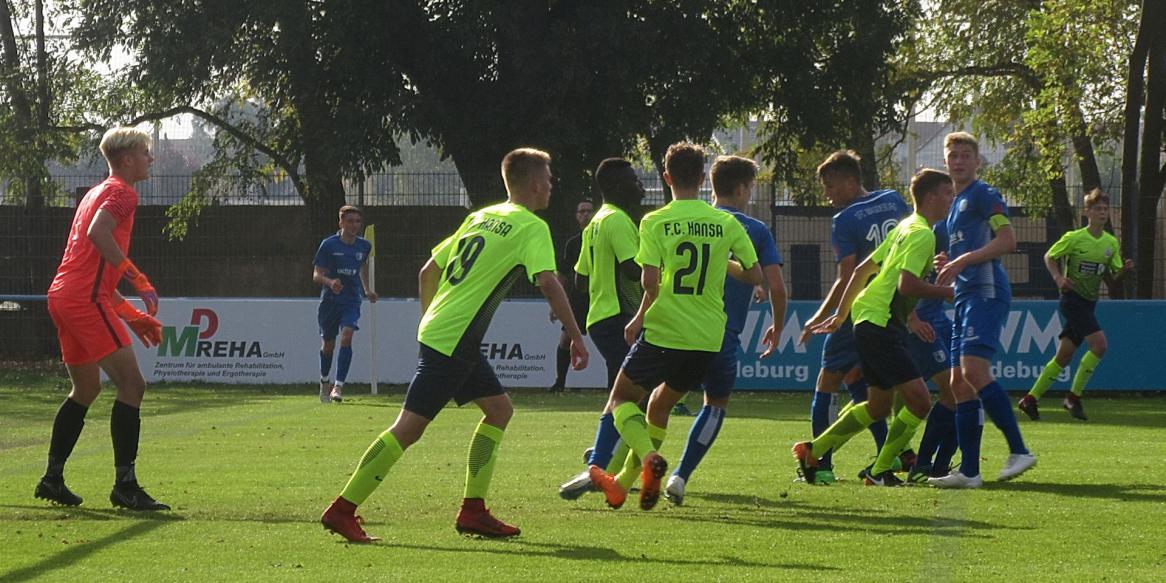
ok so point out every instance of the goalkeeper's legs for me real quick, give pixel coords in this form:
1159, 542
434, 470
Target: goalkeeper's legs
67, 426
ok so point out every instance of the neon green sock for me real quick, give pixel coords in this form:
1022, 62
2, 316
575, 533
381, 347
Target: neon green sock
483, 454
633, 428
898, 436
855, 420
1046, 378
632, 466
897, 403
845, 409
374, 465
617, 458
1085, 370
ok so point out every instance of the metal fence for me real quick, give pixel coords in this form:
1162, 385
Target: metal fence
263, 246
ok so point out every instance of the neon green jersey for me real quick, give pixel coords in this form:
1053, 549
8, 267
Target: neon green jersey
609, 239
1088, 259
690, 242
909, 247
479, 263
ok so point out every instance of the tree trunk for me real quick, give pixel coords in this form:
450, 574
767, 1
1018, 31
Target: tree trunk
1135, 83
27, 132
1063, 212
1150, 176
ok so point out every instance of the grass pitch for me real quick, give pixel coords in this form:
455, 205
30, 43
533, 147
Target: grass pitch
249, 469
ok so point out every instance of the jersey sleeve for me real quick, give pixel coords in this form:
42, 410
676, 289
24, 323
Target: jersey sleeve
1063, 246
649, 252
367, 251
879, 255
1115, 262
120, 202
766, 247
842, 238
742, 245
918, 249
441, 252
322, 257
583, 262
538, 253
624, 239
990, 205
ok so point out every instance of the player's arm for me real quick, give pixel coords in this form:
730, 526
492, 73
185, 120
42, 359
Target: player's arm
1053, 265
100, 233
650, 280
751, 276
778, 299
912, 286
427, 281
320, 277
830, 304
1003, 243
549, 285
858, 279
368, 293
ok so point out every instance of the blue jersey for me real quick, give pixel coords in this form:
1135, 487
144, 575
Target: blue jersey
969, 229
932, 309
738, 295
343, 261
862, 225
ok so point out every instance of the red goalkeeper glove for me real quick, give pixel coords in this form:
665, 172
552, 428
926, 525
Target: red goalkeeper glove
146, 327
145, 289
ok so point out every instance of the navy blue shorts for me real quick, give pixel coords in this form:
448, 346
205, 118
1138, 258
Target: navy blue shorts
885, 360
333, 316
840, 354
1080, 319
607, 334
977, 325
722, 375
440, 378
648, 365
932, 358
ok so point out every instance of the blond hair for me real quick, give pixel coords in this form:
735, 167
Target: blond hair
961, 138
1096, 196
519, 165
120, 140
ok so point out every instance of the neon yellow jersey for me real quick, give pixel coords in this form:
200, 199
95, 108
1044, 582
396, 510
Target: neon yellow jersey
909, 247
690, 242
609, 239
1088, 259
480, 262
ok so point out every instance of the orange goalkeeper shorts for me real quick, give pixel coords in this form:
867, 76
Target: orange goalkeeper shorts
87, 331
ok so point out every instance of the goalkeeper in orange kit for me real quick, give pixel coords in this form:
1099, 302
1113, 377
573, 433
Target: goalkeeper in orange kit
88, 312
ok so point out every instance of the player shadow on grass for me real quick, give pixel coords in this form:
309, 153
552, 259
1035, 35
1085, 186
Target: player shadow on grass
1122, 492
593, 553
78, 552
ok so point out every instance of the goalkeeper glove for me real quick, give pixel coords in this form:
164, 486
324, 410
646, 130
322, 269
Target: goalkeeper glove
145, 289
145, 326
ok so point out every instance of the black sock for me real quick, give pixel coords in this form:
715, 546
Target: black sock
562, 361
66, 429
125, 424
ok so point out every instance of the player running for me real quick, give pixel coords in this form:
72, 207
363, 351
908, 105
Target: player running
462, 285
880, 310
678, 329
82, 301
733, 180
341, 268
979, 234
1090, 254
862, 223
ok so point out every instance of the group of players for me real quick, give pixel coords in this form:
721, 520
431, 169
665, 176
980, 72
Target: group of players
668, 300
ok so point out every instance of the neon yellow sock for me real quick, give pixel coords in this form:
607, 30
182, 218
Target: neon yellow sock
897, 403
855, 420
374, 465
898, 436
633, 428
1046, 378
632, 466
1085, 370
483, 455
617, 458
845, 409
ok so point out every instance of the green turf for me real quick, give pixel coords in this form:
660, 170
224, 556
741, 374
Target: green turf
248, 471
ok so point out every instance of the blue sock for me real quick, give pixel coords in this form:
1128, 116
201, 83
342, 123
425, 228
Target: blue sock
342, 363
948, 443
999, 410
939, 423
820, 421
969, 423
606, 438
700, 438
325, 364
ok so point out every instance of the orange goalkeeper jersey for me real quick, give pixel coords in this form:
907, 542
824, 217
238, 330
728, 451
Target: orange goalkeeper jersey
84, 275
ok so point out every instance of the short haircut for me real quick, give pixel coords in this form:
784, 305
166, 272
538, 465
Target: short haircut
729, 172
846, 163
684, 162
925, 182
1096, 196
961, 138
585, 201
609, 176
520, 164
350, 209
120, 140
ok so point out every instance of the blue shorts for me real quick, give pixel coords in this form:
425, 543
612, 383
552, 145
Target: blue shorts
1080, 319
607, 334
932, 358
977, 325
840, 353
333, 316
722, 375
649, 366
440, 378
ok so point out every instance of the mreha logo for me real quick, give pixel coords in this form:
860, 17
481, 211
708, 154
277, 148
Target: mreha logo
195, 340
